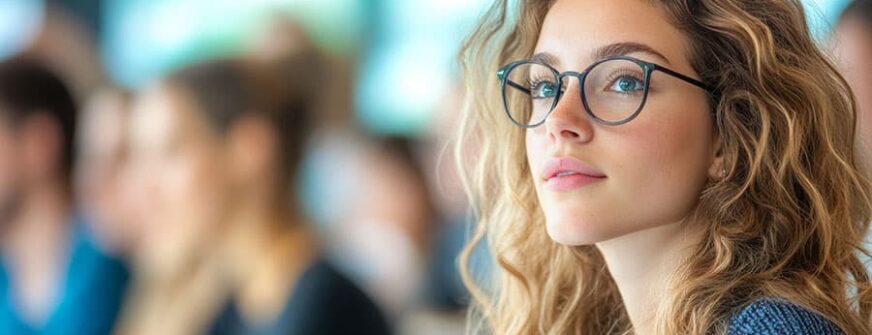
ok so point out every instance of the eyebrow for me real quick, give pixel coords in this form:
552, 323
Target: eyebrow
624, 48
611, 50
545, 58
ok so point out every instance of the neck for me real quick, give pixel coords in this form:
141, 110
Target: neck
252, 229
256, 221
268, 247
642, 263
35, 242
40, 217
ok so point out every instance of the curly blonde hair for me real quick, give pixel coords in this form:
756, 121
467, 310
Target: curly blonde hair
788, 220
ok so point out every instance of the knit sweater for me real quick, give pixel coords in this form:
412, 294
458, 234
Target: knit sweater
779, 317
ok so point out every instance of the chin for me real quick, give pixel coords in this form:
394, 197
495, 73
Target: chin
578, 232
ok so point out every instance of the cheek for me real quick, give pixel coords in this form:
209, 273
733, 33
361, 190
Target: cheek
189, 206
191, 187
664, 165
181, 181
537, 146
656, 168
664, 158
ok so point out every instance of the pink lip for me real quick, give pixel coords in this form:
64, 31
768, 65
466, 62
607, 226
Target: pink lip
567, 173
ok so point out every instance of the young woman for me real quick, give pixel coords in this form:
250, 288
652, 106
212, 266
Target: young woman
663, 167
220, 144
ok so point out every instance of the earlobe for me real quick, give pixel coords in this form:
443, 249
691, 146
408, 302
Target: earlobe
718, 167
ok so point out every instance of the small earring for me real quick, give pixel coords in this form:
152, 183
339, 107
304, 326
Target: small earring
723, 173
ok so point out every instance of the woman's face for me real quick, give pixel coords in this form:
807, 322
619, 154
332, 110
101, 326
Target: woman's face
179, 167
642, 174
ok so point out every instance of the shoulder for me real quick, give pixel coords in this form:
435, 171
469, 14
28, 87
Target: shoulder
322, 281
326, 302
771, 316
89, 259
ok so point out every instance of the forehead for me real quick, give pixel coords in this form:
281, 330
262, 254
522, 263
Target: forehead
574, 30
155, 114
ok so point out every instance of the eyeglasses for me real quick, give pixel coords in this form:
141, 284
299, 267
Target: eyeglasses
613, 90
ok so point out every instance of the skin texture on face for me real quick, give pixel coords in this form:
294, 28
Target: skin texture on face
177, 161
854, 53
656, 165
29, 159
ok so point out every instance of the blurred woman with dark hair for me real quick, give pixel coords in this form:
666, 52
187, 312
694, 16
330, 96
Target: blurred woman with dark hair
219, 145
56, 276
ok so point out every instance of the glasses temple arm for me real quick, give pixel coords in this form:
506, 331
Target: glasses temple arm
685, 78
518, 86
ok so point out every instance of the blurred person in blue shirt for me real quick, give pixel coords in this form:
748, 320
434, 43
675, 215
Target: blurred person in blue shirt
55, 277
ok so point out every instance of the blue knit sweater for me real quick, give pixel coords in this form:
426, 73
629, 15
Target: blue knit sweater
778, 317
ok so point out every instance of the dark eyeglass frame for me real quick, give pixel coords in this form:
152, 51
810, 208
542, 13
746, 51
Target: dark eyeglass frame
647, 67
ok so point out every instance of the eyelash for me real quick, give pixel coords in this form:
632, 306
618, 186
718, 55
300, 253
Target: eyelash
636, 75
533, 82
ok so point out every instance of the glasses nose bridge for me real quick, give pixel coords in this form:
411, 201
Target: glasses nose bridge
571, 74
564, 83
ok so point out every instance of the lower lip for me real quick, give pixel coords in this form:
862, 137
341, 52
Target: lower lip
571, 182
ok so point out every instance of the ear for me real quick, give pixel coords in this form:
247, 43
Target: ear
718, 168
251, 148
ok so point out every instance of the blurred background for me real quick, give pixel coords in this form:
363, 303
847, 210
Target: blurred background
374, 185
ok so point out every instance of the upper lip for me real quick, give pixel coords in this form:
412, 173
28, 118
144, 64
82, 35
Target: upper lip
558, 165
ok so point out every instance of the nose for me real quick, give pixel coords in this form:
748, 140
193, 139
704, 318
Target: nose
569, 121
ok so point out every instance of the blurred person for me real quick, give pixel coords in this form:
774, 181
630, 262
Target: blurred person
218, 146
100, 172
663, 167
385, 238
854, 53
280, 37
446, 285
445, 299
54, 276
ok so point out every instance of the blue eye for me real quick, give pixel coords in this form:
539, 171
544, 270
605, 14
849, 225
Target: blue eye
627, 84
543, 90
